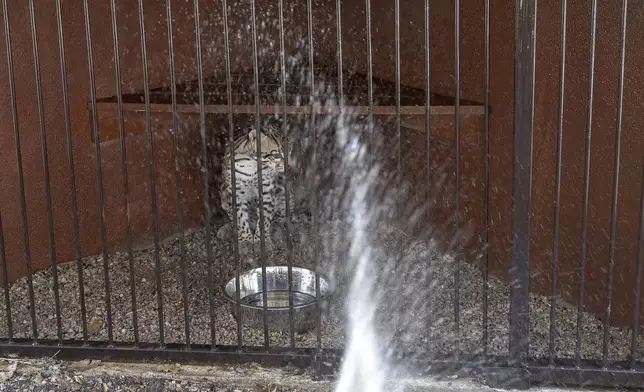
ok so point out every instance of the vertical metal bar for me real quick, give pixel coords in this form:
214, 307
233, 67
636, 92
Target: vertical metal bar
206, 177
262, 233
584, 223
616, 171
177, 168
287, 212
5, 283
231, 143
555, 244
338, 24
99, 175
151, 169
399, 240
397, 70
316, 242
72, 171
524, 86
457, 142
338, 7
486, 182
45, 161
428, 181
21, 179
126, 187
638, 278
369, 66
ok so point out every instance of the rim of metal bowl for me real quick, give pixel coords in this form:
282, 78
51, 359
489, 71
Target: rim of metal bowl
272, 309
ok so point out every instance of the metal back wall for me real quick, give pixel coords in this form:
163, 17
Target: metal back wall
66, 197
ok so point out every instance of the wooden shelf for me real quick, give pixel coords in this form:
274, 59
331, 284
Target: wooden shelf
412, 103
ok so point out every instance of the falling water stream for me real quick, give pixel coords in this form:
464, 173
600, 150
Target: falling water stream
364, 367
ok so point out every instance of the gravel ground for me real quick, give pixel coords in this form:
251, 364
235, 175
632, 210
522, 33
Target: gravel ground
49, 375
402, 316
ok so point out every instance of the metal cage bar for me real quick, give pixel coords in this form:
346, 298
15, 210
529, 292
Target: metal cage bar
559, 165
457, 174
262, 232
338, 24
99, 174
557, 201
287, 208
398, 151
21, 178
369, 65
178, 180
314, 201
486, 184
586, 202
616, 173
124, 171
524, 87
206, 176
344, 229
428, 174
231, 141
45, 160
72, 171
152, 176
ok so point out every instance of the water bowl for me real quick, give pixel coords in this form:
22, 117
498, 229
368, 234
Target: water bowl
252, 297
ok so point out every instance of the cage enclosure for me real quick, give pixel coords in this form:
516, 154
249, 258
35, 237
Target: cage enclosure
530, 237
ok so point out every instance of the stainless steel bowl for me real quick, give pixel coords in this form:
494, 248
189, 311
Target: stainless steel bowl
277, 294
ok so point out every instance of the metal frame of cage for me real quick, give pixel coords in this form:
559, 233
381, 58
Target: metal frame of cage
517, 370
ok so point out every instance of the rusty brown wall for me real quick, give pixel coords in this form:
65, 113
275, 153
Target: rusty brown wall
354, 46
602, 153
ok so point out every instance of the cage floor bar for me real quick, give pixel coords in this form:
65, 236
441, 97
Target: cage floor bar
493, 371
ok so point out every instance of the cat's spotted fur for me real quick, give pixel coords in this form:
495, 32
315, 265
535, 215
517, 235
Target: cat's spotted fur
248, 200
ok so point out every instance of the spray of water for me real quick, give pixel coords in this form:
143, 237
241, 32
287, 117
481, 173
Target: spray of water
364, 367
